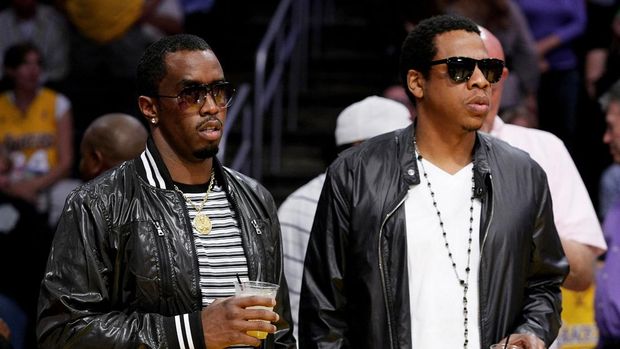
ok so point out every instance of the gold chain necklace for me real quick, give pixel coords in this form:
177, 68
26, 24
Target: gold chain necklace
201, 221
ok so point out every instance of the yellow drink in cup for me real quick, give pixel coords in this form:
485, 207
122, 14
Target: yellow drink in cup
258, 334
256, 288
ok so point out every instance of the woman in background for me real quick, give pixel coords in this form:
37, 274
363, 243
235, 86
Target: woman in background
35, 126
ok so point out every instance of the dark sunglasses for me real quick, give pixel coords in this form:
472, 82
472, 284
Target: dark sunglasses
460, 69
193, 98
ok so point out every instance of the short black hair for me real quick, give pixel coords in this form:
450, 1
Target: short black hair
419, 48
152, 65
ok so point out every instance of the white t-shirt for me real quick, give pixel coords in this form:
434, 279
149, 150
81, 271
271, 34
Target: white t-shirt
436, 297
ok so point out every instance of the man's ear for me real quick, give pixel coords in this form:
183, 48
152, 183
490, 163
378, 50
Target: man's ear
415, 83
148, 107
99, 161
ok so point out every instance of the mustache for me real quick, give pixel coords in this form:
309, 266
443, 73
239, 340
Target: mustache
209, 123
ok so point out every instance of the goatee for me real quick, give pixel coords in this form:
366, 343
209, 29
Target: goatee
206, 153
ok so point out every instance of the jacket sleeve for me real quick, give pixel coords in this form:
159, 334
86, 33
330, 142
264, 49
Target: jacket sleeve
283, 338
323, 300
548, 269
256, 203
77, 303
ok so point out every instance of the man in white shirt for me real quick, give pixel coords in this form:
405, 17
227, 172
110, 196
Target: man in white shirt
573, 212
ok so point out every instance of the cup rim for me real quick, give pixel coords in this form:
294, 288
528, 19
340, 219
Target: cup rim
258, 284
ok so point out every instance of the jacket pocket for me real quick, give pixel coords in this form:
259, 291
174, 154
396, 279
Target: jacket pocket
263, 231
144, 277
165, 269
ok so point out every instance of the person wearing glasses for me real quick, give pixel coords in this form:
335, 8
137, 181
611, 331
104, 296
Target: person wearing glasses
146, 254
435, 235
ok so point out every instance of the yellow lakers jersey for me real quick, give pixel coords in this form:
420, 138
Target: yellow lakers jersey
30, 137
579, 329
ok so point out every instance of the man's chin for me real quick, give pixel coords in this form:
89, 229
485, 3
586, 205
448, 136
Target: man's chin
206, 153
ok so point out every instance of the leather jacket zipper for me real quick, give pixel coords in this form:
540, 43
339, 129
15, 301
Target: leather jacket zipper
488, 223
484, 239
256, 227
164, 261
382, 272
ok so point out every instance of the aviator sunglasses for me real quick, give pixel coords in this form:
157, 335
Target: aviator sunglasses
193, 98
460, 69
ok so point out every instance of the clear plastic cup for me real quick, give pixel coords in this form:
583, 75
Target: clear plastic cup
256, 288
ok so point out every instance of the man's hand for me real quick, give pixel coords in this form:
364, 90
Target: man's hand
226, 321
524, 341
5, 331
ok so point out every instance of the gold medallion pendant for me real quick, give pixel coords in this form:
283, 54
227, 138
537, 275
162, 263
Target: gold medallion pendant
202, 223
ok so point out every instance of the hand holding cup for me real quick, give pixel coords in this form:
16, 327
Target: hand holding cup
257, 288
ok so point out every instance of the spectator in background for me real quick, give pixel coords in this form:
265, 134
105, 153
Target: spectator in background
107, 38
397, 93
358, 122
41, 24
573, 212
162, 17
555, 25
109, 140
609, 189
24, 245
608, 280
602, 40
36, 127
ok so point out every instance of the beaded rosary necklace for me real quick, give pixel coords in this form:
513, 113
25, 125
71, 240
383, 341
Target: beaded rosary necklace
463, 282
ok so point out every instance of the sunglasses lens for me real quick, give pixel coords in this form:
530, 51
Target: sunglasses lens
193, 96
222, 94
460, 69
492, 69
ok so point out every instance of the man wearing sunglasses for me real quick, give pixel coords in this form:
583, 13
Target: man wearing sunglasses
435, 236
146, 254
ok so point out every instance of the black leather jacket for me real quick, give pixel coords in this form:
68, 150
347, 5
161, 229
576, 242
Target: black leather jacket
123, 271
358, 242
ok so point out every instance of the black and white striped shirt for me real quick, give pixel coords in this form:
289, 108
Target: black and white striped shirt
220, 253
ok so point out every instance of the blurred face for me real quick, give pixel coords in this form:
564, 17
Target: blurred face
28, 74
461, 106
191, 132
612, 132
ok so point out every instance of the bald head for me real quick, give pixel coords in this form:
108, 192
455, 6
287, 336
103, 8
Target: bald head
495, 50
110, 140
